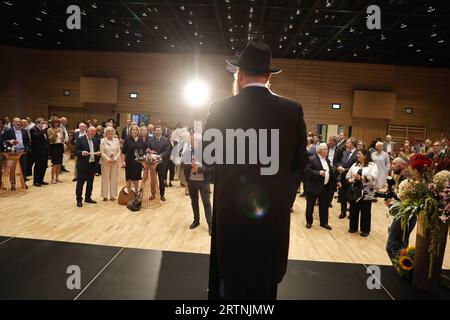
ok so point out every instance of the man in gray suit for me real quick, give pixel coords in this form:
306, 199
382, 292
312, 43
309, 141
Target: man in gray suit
389, 146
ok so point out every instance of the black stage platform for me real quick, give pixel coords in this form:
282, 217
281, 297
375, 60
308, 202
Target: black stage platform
36, 269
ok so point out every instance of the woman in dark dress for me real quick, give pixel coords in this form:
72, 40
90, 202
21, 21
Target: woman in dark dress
133, 147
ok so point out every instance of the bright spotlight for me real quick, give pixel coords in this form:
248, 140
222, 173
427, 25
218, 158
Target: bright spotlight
196, 93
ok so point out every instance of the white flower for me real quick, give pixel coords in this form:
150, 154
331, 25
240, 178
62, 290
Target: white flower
442, 178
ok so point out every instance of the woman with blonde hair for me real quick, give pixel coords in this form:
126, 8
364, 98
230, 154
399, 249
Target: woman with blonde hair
110, 150
405, 151
133, 147
56, 136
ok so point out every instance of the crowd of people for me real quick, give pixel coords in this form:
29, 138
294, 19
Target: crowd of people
341, 163
99, 149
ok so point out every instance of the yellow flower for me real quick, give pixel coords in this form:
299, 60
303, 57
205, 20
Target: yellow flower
405, 263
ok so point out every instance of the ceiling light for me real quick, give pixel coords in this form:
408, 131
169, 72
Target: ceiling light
418, 50
21, 38
15, 23
231, 29
351, 29
431, 59
328, 49
8, 3
38, 19
116, 35
83, 12
43, 12
441, 41
58, 42
182, 7
430, 9
60, 30
280, 46
403, 25
383, 37
189, 21
172, 46
298, 12
102, 26
410, 45
144, 14
291, 26
94, 5
434, 34
229, 17
128, 44
165, 37
355, 54
112, 20
39, 34
127, 31
367, 47
156, 27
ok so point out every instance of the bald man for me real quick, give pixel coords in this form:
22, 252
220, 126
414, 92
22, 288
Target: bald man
87, 149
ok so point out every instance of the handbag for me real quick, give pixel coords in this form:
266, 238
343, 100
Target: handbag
355, 191
125, 197
136, 203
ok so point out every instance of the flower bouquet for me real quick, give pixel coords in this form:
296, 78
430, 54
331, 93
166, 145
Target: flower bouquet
426, 196
404, 262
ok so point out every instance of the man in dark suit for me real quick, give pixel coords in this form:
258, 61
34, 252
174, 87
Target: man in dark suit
39, 151
348, 159
335, 155
251, 207
87, 149
126, 130
161, 146
18, 137
82, 127
319, 172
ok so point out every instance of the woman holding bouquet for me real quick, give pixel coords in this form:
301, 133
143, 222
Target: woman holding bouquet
365, 172
110, 149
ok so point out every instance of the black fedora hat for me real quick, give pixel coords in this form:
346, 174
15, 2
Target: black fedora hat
255, 58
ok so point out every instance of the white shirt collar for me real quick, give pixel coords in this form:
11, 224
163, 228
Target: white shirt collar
255, 84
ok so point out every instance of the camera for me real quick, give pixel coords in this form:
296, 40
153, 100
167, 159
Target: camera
390, 193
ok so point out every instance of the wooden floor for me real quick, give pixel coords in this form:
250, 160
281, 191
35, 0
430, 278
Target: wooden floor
50, 213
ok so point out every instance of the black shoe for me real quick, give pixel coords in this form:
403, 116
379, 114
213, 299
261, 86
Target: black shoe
37, 184
163, 198
352, 231
330, 206
364, 234
194, 225
308, 226
64, 170
90, 201
44, 183
79, 204
170, 184
74, 179
348, 217
303, 195
326, 226
209, 230
342, 216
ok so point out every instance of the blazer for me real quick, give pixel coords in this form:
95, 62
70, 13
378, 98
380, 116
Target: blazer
346, 162
83, 145
75, 137
10, 134
251, 212
39, 142
163, 147
392, 146
124, 135
315, 182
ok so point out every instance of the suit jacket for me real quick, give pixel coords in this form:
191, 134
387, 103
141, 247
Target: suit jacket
39, 142
341, 145
315, 182
124, 133
392, 146
10, 134
75, 137
251, 212
338, 154
346, 162
162, 147
83, 145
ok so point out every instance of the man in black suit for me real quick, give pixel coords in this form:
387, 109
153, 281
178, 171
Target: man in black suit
39, 151
161, 146
335, 155
319, 172
126, 130
87, 149
348, 159
82, 127
251, 207
18, 137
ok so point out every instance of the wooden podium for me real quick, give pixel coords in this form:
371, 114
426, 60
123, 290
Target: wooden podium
151, 187
11, 172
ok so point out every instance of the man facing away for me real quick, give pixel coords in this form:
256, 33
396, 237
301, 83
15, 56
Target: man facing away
251, 210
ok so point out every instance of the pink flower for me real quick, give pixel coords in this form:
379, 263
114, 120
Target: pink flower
432, 187
443, 218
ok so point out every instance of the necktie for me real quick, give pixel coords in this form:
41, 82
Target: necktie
91, 149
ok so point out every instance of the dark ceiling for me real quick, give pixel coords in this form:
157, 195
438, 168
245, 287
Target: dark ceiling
413, 32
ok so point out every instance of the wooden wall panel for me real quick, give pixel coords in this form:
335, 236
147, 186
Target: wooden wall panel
35, 80
374, 104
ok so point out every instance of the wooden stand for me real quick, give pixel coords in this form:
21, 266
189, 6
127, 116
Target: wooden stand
11, 170
428, 267
150, 186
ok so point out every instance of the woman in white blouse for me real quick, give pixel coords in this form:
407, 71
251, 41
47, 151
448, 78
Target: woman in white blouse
110, 150
365, 172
